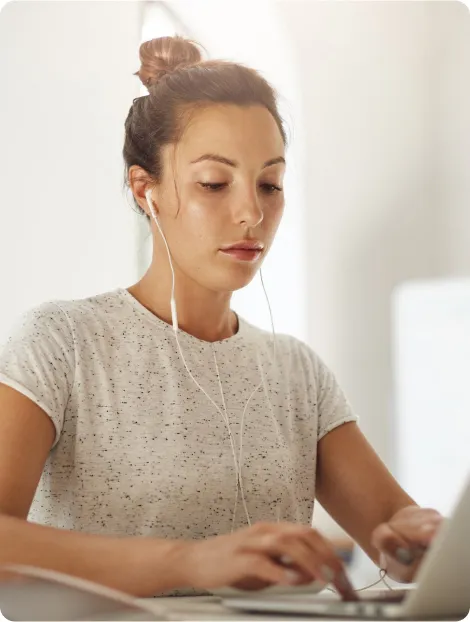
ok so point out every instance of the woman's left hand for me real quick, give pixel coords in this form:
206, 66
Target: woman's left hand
403, 541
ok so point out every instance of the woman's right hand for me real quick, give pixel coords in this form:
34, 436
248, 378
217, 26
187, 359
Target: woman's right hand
262, 555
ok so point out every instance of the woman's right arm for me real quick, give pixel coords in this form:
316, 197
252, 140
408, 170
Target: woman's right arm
26, 437
139, 566
134, 565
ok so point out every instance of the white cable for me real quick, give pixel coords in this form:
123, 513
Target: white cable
224, 415
270, 315
174, 305
242, 421
174, 315
175, 327
239, 480
238, 465
241, 448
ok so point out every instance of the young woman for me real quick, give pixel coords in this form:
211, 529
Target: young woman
143, 426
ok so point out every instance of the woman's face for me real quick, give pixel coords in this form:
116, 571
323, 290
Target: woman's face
220, 200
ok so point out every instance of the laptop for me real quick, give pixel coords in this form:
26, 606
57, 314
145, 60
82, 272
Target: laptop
442, 588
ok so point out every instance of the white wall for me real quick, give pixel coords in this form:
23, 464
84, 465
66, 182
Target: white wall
432, 317
452, 138
376, 83
66, 83
432, 361
386, 88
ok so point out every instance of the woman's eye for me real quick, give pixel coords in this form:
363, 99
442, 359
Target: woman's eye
213, 187
217, 187
270, 188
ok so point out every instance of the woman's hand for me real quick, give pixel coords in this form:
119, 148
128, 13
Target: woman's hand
263, 555
403, 541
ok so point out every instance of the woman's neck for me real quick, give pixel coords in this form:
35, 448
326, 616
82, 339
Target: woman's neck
204, 314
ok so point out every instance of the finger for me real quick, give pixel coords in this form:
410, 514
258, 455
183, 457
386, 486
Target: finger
332, 567
420, 531
418, 517
323, 549
426, 534
304, 578
288, 546
264, 568
387, 541
318, 549
314, 555
264, 539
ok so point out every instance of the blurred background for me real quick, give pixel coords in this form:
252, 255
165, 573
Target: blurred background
372, 262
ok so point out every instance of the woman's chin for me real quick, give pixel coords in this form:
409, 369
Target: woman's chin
233, 280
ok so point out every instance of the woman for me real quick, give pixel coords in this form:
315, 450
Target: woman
160, 423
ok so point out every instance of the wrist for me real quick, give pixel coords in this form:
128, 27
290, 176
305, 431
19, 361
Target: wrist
158, 565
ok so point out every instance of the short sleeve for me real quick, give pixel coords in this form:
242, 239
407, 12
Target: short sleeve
38, 360
334, 408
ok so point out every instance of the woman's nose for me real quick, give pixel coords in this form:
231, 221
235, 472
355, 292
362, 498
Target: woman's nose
249, 211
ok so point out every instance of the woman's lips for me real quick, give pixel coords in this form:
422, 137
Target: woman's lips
244, 251
242, 254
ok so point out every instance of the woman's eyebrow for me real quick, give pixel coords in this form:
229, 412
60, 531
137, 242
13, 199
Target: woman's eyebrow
223, 160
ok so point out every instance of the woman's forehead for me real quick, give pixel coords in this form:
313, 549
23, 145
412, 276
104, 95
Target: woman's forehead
232, 132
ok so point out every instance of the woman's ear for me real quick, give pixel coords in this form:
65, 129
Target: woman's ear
140, 183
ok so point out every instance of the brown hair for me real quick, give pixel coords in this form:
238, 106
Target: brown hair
179, 81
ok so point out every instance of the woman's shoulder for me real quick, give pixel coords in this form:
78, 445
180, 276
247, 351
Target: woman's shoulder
103, 302
61, 317
286, 346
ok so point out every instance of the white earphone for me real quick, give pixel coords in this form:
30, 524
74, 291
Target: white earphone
237, 463
174, 319
174, 315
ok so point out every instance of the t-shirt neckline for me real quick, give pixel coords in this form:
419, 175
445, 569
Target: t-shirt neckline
157, 321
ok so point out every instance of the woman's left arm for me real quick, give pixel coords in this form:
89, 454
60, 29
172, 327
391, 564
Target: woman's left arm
361, 495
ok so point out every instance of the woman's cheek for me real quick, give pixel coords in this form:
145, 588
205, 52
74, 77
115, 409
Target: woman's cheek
204, 216
272, 218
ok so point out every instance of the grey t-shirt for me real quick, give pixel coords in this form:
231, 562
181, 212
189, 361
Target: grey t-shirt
139, 449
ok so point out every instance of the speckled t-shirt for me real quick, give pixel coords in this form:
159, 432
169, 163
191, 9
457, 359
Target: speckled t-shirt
139, 449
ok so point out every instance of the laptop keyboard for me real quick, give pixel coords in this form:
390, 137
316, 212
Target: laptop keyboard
386, 596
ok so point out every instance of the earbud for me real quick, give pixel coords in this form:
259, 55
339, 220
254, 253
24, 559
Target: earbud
174, 315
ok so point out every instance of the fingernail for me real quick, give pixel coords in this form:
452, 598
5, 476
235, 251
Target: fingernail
404, 556
428, 528
328, 573
286, 560
292, 577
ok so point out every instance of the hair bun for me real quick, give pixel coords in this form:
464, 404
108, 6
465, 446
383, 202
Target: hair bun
163, 55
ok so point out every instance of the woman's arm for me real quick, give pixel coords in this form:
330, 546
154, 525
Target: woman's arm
140, 566
26, 437
135, 565
355, 487
357, 490
248, 558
